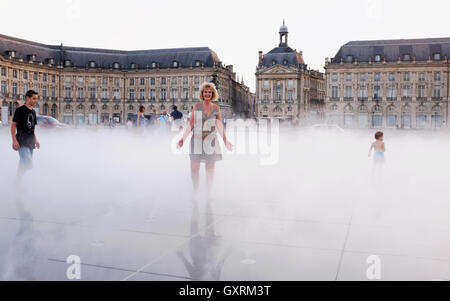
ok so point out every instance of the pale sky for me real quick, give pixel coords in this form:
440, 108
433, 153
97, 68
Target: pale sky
235, 30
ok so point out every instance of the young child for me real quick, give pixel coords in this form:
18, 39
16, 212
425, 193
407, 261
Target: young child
379, 147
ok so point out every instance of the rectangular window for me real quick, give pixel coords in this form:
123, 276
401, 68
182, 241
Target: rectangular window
131, 81
14, 73
68, 92
334, 77
278, 94
196, 94
163, 80
196, 80
104, 93
152, 81
406, 92
348, 77
421, 91
152, 94
142, 94
421, 121
116, 94
392, 92
92, 93
406, 77
174, 93
377, 77
142, 81
80, 92
163, 94
53, 78
3, 71
266, 95
422, 77
173, 81
348, 92
131, 94
80, 80
363, 92
104, 81
437, 76
377, 121
185, 80
44, 77
392, 77
185, 93
116, 82
3, 87
376, 92
266, 84
362, 77
25, 75
334, 92
53, 92
14, 89
290, 95
67, 79
437, 91
25, 89
35, 76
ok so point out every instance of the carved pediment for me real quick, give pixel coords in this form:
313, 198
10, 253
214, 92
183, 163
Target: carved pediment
277, 69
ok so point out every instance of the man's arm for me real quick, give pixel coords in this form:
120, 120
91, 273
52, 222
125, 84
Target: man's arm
15, 145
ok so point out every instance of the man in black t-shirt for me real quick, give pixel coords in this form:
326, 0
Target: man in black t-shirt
22, 130
176, 118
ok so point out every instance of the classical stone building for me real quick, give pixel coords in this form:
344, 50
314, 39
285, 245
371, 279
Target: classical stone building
389, 84
286, 88
89, 86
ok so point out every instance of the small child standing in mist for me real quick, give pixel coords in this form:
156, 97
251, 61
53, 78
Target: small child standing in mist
379, 147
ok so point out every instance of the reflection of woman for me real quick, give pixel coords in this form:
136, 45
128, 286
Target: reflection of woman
206, 251
205, 121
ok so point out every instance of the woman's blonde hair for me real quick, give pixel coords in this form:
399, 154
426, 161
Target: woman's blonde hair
205, 85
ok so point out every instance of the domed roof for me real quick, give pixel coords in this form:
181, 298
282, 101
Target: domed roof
283, 28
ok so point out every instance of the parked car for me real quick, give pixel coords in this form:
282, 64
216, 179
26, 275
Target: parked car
49, 122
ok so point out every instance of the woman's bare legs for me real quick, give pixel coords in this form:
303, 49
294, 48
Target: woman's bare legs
209, 179
195, 170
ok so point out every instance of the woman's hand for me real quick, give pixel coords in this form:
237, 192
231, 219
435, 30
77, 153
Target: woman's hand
229, 146
180, 143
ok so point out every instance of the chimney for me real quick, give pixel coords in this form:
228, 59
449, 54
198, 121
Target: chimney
260, 57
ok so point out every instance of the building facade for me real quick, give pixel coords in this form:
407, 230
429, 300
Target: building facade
90, 86
286, 88
389, 84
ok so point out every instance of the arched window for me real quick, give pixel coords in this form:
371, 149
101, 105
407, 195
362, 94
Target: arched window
53, 111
